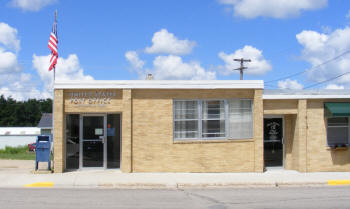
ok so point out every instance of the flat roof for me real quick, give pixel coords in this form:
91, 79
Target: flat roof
19, 131
160, 84
306, 94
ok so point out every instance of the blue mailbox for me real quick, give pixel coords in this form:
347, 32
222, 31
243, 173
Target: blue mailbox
42, 150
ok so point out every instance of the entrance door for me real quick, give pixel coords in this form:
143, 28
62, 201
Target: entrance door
273, 142
93, 146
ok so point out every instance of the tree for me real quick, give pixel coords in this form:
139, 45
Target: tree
22, 113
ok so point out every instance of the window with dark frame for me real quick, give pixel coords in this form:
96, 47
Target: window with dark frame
338, 132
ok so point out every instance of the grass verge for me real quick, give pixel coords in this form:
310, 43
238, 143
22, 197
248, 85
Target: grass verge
17, 153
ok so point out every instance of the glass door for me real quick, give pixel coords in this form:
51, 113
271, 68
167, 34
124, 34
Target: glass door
273, 142
93, 138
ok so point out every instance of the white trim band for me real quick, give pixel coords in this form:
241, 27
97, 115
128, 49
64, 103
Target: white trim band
161, 84
291, 96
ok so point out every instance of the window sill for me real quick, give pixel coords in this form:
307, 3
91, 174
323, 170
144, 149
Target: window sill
212, 141
338, 148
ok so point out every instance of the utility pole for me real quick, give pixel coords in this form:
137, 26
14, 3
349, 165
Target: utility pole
242, 67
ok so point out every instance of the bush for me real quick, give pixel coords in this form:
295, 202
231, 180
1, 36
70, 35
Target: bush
17, 153
14, 150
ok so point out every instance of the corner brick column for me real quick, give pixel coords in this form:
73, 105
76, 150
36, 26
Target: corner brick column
258, 131
59, 145
126, 160
302, 126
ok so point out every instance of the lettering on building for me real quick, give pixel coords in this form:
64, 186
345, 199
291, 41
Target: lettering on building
91, 98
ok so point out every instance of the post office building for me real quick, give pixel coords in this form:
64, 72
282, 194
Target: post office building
198, 126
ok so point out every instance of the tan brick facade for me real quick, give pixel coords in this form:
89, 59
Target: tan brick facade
305, 136
147, 133
319, 156
154, 149
59, 143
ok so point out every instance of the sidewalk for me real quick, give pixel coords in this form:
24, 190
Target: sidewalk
19, 173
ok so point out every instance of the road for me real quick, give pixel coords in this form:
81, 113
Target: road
284, 197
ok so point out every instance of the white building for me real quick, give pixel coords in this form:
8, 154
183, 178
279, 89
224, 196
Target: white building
17, 136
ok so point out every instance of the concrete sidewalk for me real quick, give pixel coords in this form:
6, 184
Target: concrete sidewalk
19, 174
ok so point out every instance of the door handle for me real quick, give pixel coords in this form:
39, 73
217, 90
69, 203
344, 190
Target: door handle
102, 139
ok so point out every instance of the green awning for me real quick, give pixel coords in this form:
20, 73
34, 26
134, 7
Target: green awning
337, 109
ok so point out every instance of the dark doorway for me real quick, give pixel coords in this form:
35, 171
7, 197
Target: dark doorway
273, 142
113, 140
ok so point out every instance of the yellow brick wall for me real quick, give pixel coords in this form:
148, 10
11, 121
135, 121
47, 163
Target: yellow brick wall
302, 135
258, 131
280, 107
59, 145
126, 156
290, 143
153, 147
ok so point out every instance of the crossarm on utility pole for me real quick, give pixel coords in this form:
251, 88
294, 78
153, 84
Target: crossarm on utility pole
241, 68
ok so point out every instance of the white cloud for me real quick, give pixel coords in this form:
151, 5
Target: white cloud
167, 43
172, 67
320, 47
272, 8
13, 81
8, 62
348, 14
334, 86
8, 37
289, 84
66, 69
134, 59
31, 5
21, 87
9, 42
257, 66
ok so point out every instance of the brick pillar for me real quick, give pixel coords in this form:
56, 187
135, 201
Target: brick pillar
59, 145
126, 161
302, 125
258, 131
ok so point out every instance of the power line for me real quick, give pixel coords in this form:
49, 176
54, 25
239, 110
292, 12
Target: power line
299, 73
333, 78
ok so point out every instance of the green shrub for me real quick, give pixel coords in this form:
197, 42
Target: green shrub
14, 150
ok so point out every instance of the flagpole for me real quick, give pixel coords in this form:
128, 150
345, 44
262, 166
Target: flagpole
54, 69
53, 104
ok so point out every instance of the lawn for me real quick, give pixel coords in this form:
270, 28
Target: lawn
17, 153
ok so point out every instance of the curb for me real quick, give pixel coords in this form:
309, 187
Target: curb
190, 185
339, 182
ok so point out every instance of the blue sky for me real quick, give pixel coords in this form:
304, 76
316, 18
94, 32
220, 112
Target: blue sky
173, 39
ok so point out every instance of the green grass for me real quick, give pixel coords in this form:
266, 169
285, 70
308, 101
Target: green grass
17, 153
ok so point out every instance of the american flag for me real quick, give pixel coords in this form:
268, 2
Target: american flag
53, 41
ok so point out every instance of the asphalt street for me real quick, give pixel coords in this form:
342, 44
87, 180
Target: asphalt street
284, 197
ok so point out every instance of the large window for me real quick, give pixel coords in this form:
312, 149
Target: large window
338, 131
213, 119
